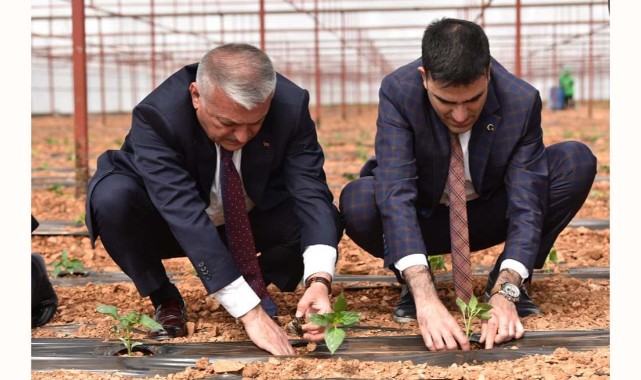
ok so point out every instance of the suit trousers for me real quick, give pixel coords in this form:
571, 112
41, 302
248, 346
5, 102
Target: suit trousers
137, 237
572, 168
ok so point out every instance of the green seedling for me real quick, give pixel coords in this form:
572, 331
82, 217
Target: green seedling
552, 257
71, 266
350, 176
56, 189
80, 220
605, 168
126, 323
334, 334
474, 309
437, 262
51, 140
362, 153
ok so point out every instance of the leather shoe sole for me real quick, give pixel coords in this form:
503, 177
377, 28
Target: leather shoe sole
171, 315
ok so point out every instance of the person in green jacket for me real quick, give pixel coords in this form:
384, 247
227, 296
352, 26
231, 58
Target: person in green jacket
567, 85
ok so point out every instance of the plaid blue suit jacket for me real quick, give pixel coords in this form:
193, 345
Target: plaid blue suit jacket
506, 151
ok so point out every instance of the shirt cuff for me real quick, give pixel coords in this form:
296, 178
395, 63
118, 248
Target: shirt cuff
237, 298
409, 261
319, 258
517, 267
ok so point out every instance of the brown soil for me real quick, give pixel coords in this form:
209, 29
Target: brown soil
567, 303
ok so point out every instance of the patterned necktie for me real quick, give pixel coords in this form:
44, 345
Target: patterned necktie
238, 229
459, 234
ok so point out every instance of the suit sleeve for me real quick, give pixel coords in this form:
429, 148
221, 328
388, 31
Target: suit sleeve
306, 182
527, 186
173, 192
395, 177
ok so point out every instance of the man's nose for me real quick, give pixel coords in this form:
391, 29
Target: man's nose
243, 135
459, 113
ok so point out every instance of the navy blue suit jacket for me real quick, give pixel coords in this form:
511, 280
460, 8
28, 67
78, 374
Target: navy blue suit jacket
168, 152
505, 151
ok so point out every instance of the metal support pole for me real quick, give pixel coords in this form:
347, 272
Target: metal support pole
343, 69
261, 16
103, 95
517, 52
80, 96
317, 65
152, 36
590, 66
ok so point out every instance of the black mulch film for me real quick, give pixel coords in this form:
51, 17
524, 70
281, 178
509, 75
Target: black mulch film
96, 355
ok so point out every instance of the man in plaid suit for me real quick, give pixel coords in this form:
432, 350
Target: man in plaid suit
519, 192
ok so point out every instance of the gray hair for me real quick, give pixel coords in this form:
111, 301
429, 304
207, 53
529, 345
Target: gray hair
241, 71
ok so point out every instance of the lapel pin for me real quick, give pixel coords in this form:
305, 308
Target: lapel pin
490, 127
266, 144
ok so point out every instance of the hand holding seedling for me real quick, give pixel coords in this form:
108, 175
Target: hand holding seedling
314, 301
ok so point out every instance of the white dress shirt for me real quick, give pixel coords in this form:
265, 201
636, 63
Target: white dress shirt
238, 297
420, 259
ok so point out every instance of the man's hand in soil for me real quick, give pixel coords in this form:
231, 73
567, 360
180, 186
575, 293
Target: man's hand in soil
265, 333
315, 300
504, 324
439, 329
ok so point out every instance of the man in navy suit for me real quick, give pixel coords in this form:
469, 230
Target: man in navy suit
519, 192
159, 196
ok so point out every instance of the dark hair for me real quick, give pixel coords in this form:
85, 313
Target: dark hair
454, 51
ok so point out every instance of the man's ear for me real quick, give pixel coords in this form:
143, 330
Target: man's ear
195, 95
423, 75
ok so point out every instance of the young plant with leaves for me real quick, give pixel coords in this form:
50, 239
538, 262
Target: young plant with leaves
68, 265
334, 334
126, 323
471, 310
437, 262
552, 257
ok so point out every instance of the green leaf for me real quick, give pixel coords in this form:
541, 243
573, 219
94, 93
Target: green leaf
348, 318
340, 304
334, 337
150, 323
553, 256
108, 309
473, 302
56, 271
484, 307
484, 315
133, 318
461, 304
319, 319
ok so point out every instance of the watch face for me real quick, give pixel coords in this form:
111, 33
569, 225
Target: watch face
511, 290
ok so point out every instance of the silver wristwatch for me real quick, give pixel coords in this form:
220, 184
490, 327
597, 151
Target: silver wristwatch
507, 290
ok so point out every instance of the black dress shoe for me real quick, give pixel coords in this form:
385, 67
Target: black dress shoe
524, 306
44, 301
172, 316
405, 310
